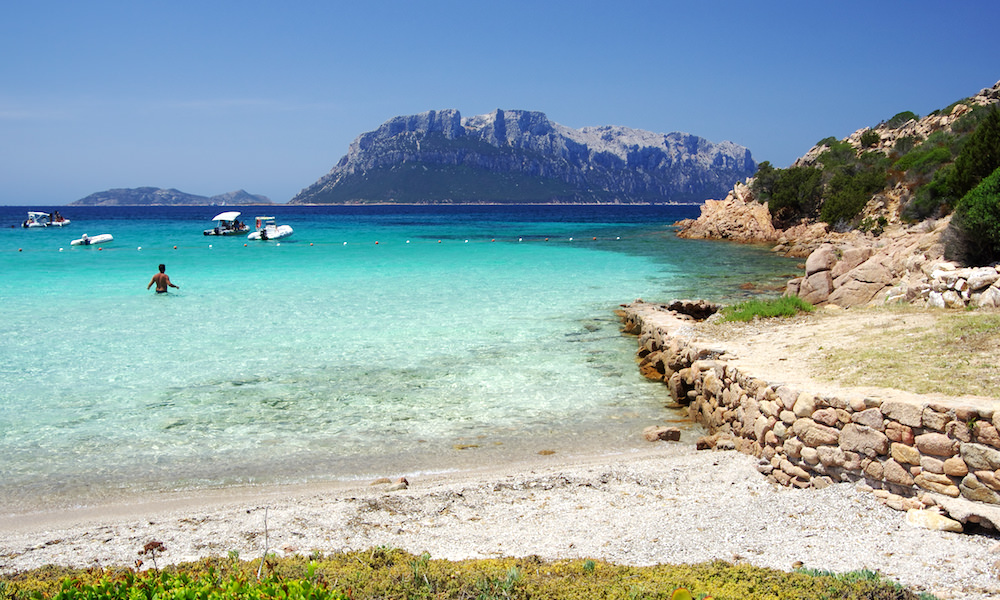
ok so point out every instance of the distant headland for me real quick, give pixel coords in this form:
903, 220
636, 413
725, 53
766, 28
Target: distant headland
151, 196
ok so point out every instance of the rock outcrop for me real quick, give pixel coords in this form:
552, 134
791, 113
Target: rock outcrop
738, 217
903, 265
521, 156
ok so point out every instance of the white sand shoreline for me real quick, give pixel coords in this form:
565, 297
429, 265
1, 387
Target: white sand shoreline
665, 503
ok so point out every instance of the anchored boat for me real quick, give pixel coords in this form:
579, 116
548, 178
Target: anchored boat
43, 219
267, 229
228, 224
97, 239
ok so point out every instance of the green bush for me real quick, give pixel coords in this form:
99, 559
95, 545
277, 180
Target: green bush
934, 198
975, 226
870, 138
838, 154
905, 144
900, 119
848, 193
796, 190
786, 306
979, 156
925, 159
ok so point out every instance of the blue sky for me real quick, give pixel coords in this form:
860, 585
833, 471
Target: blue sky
209, 97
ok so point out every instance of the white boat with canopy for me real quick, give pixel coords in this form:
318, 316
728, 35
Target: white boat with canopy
228, 224
44, 219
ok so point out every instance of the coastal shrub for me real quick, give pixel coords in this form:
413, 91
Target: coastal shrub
848, 193
900, 119
838, 154
385, 573
905, 144
975, 226
979, 156
796, 190
786, 306
870, 138
934, 198
924, 159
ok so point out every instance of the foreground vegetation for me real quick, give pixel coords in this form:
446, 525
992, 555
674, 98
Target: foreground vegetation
389, 573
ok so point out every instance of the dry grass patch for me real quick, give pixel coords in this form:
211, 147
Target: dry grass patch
952, 353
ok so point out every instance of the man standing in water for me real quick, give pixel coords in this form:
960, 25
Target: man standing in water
162, 281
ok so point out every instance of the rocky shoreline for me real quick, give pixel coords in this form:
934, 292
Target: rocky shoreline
889, 262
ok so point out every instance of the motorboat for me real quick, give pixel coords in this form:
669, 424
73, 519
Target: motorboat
267, 229
86, 240
229, 224
44, 219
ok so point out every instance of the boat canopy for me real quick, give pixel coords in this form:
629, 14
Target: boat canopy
37, 215
226, 216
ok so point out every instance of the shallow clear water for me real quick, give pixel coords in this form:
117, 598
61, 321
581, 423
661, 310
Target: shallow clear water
306, 359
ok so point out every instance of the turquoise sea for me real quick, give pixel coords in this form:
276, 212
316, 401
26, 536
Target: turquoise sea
376, 341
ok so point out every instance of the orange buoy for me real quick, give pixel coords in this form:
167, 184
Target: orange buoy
175, 247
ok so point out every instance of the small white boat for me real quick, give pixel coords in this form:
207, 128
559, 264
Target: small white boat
268, 230
229, 224
88, 241
43, 219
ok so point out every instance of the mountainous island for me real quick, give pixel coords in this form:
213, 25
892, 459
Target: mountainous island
151, 196
518, 156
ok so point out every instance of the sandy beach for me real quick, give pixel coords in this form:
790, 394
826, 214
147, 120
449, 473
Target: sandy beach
667, 503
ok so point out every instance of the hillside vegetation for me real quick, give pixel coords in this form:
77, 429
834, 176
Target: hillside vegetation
905, 169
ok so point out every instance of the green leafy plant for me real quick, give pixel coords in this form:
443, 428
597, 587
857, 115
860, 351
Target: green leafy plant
849, 192
786, 306
974, 232
900, 119
357, 576
870, 138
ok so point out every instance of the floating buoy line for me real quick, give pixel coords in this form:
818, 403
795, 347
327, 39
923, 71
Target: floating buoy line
493, 240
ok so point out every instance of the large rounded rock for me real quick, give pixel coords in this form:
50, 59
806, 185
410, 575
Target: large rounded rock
821, 259
935, 444
863, 440
981, 458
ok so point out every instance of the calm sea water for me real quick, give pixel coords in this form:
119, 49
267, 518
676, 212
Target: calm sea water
376, 341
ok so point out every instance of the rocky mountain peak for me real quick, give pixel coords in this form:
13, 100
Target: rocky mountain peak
522, 156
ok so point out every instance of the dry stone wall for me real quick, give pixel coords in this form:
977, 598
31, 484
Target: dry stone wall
932, 458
